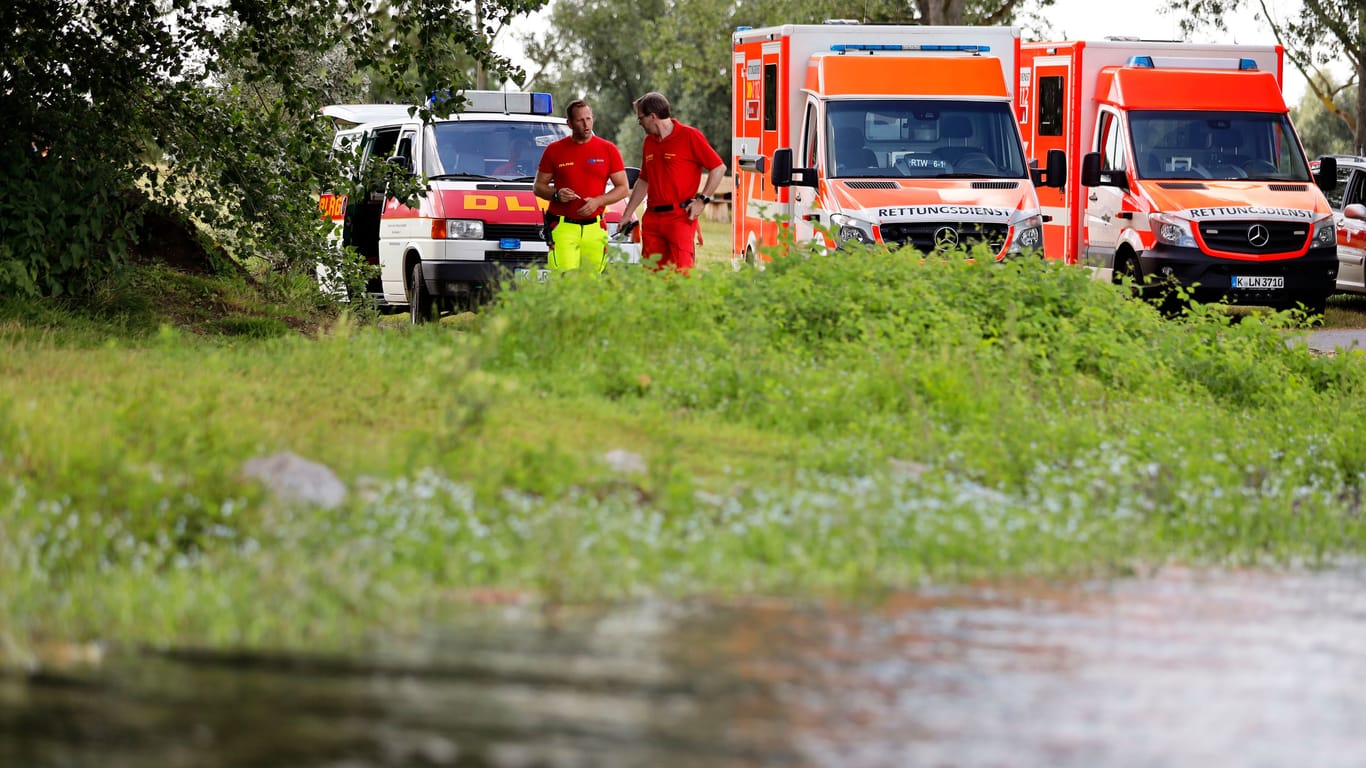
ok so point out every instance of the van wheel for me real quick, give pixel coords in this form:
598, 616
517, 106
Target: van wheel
420, 302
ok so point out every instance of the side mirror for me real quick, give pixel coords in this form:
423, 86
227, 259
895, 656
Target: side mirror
632, 173
1093, 176
1355, 211
784, 175
1055, 175
1327, 177
782, 168
1090, 169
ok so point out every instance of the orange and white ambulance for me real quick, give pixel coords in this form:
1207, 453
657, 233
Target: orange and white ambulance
479, 222
903, 135
1190, 174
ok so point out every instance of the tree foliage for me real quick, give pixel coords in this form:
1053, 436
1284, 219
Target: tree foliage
613, 51
1321, 131
1323, 32
204, 109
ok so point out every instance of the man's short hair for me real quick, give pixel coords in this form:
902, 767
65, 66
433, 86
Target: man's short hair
653, 103
573, 105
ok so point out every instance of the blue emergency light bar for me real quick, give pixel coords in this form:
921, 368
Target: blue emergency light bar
505, 102
842, 47
1146, 62
541, 104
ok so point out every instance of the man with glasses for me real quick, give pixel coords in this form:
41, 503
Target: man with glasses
673, 160
573, 175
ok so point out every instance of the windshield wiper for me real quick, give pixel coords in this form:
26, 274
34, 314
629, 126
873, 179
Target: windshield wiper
476, 176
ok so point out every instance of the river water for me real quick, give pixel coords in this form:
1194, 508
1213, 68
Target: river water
1179, 668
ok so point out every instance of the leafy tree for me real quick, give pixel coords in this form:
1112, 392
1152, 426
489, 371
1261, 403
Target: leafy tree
1324, 132
613, 51
206, 110
1324, 31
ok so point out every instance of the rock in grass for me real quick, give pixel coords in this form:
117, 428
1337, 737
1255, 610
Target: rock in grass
292, 478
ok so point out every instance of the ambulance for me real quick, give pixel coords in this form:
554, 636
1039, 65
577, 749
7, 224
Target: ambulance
479, 221
881, 134
1190, 171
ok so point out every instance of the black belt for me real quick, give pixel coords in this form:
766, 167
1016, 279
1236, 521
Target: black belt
580, 222
683, 206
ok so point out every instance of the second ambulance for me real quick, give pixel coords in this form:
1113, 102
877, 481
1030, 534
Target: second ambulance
903, 135
1191, 173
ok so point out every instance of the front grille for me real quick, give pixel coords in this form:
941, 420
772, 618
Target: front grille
519, 231
925, 236
1255, 237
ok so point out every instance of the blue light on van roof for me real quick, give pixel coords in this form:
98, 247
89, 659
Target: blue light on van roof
842, 47
1247, 64
1141, 61
542, 104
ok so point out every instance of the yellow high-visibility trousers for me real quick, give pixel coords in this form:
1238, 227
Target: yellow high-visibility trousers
578, 243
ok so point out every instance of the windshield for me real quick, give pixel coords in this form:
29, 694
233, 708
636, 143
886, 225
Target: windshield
1216, 145
905, 138
502, 149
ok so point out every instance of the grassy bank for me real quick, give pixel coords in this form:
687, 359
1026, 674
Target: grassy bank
830, 426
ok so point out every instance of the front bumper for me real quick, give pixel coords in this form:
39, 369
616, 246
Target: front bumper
1309, 279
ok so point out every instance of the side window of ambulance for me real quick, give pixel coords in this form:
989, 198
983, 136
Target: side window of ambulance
1050, 106
405, 148
770, 97
1110, 142
809, 126
1356, 193
383, 146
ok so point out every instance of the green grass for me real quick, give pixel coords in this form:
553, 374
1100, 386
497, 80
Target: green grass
830, 426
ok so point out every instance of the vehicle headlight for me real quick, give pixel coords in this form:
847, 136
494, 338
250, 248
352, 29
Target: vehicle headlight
1325, 233
460, 229
849, 229
1027, 226
1172, 230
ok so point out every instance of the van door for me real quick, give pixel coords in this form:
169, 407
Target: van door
1351, 232
805, 214
400, 223
1104, 227
1049, 127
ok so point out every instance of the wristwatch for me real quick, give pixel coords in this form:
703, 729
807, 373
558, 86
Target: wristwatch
556, 197
704, 198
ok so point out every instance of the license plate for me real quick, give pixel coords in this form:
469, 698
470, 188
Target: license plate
1258, 282
530, 274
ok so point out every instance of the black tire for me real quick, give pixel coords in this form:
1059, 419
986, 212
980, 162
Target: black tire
1126, 265
420, 303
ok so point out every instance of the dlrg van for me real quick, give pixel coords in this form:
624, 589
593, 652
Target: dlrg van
1191, 173
478, 223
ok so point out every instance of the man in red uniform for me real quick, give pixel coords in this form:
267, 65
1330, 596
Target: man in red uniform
673, 160
573, 175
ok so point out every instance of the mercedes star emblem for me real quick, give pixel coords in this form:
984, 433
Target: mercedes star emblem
945, 238
1258, 235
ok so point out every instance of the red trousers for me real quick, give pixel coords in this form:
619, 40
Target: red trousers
671, 234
